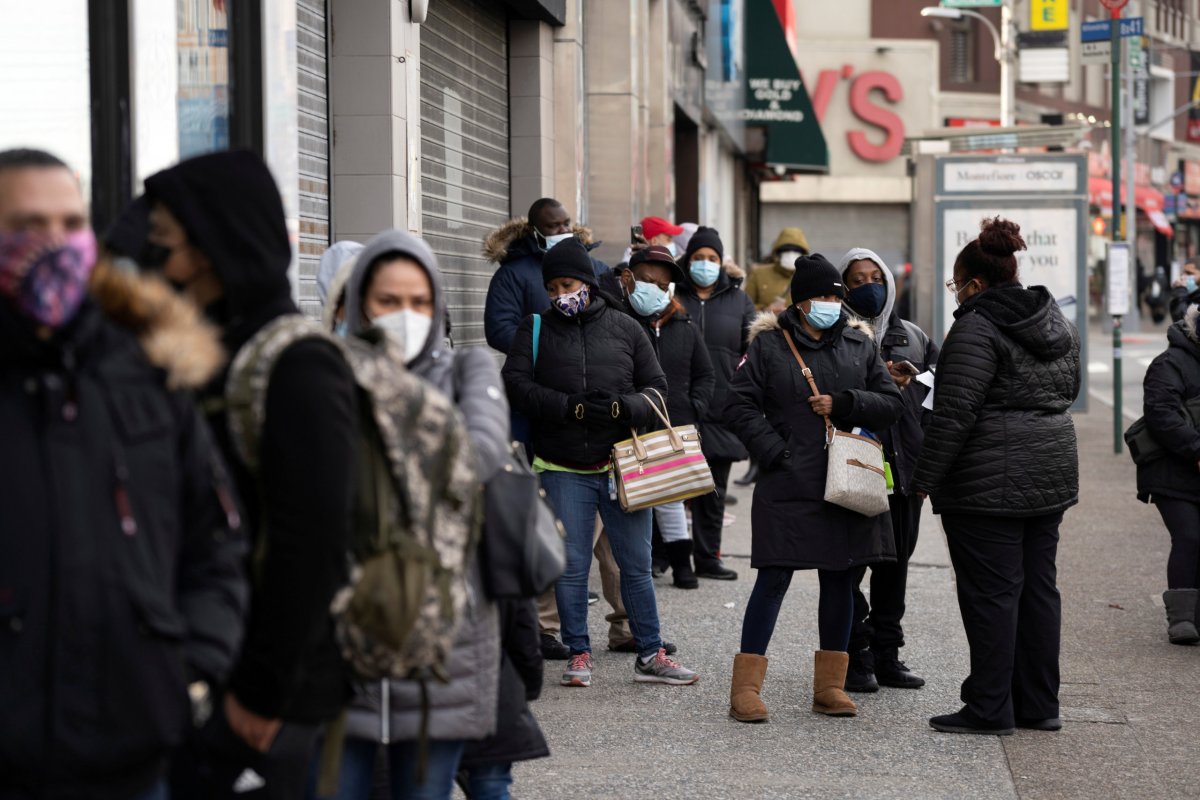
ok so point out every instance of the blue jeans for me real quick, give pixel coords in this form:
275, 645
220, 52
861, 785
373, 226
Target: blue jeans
490, 782
358, 770
577, 498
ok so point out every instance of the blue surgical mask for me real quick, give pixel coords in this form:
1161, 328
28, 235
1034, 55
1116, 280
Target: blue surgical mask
550, 241
674, 249
868, 299
704, 273
823, 314
1189, 283
341, 329
647, 299
571, 304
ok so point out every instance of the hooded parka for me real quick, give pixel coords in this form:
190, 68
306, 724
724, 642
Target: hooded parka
899, 340
464, 707
1001, 440
121, 551
299, 500
1172, 379
681, 353
770, 281
724, 320
793, 526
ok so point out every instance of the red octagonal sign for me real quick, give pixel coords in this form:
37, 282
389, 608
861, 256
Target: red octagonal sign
1114, 5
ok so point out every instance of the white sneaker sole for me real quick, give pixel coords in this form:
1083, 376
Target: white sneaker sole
578, 682
640, 678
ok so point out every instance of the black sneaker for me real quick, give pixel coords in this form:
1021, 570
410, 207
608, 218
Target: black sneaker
966, 722
628, 646
716, 572
553, 649
1048, 724
891, 671
731, 500
860, 674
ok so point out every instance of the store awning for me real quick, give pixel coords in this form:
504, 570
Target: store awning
1148, 199
776, 98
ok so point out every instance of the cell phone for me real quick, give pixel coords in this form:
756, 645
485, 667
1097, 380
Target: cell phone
635, 234
906, 368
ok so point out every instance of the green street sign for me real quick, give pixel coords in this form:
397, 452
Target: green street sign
970, 3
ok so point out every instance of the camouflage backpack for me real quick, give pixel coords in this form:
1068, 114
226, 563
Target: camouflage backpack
416, 501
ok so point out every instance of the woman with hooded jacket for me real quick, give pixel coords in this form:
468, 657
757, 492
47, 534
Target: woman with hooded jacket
783, 423
1001, 466
712, 295
1172, 482
684, 359
878, 635
582, 382
396, 286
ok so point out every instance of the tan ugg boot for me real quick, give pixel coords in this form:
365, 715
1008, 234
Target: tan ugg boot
829, 676
745, 705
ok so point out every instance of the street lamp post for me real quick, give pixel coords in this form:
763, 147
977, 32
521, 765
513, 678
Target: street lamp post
1003, 50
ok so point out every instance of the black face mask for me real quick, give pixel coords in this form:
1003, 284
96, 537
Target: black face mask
868, 299
154, 256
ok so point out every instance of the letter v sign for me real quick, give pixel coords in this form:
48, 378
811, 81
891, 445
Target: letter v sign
826, 83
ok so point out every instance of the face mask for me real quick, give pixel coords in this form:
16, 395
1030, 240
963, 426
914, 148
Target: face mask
550, 241
45, 277
787, 260
1189, 283
647, 299
704, 273
958, 298
868, 299
341, 329
823, 314
674, 249
571, 304
408, 325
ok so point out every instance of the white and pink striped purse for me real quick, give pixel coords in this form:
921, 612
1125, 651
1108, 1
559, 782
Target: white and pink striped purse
660, 467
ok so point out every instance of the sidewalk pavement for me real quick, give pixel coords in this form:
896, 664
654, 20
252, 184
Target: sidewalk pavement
1130, 700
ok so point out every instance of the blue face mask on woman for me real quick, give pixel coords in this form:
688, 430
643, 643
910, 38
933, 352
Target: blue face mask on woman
704, 273
823, 314
647, 299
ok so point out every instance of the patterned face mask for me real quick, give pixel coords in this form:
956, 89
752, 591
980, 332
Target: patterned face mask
45, 276
571, 304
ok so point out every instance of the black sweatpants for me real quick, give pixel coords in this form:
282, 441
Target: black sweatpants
1007, 593
708, 518
1182, 519
877, 623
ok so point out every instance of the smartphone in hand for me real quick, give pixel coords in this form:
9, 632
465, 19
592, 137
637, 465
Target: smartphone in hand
635, 234
905, 368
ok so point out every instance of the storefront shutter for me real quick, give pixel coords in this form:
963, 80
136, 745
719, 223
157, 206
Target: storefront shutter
313, 131
464, 149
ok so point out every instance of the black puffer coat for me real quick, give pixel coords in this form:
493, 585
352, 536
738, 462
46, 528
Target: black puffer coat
600, 348
1179, 301
768, 408
724, 320
684, 358
1172, 379
1001, 441
120, 559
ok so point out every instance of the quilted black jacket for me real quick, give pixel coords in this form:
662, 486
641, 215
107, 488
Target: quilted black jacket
1171, 380
1001, 441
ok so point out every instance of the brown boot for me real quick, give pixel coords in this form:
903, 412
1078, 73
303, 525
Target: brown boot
745, 705
829, 676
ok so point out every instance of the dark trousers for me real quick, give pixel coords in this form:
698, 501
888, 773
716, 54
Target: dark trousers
1005, 571
833, 608
877, 623
1182, 519
708, 518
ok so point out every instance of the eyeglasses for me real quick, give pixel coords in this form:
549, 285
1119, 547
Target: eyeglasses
952, 286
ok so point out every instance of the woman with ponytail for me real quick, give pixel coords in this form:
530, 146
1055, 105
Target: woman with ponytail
1000, 465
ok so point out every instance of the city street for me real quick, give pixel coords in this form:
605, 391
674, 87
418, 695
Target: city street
1130, 700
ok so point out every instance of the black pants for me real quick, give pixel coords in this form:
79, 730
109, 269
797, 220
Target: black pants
1005, 571
1183, 523
877, 624
833, 609
708, 518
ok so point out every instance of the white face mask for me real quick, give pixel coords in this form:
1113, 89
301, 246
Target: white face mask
787, 259
555, 239
407, 327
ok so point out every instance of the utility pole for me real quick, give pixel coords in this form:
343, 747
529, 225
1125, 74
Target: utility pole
1114, 7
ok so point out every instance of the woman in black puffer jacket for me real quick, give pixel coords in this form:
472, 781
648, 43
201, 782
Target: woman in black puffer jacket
1001, 466
1172, 482
580, 383
713, 297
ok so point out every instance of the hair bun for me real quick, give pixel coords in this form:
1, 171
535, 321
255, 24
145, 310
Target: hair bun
1000, 237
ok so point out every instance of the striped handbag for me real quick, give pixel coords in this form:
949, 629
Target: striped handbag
660, 467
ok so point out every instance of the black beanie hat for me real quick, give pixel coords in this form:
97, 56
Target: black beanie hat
815, 277
705, 237
568, 259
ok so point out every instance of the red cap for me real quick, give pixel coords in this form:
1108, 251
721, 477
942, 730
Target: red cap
653, 226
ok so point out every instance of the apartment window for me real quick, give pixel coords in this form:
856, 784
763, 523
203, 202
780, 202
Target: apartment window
962, 55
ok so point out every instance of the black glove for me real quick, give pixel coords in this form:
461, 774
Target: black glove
602, 405
576, 407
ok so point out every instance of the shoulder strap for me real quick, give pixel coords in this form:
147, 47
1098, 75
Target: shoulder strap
812, 384
537, 336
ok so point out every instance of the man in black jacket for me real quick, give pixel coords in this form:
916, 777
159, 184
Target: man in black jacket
121, 553
220, 220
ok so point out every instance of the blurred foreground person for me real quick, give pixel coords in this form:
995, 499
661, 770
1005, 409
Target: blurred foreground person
121, 584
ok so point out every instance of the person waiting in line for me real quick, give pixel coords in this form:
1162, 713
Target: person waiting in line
1172, 482
583, 395
1001, 466
1184, 291
783, 423
679, 347
878, 635
712, 296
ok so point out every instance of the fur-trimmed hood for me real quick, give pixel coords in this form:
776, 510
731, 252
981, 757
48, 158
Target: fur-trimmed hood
734, 272
174, 334
766, 321
498, 244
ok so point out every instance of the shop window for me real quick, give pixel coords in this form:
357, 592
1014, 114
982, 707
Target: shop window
962, 53
202, 45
